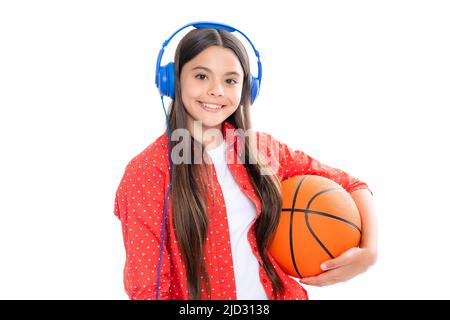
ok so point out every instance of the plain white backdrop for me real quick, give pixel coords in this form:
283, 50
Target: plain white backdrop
359, 85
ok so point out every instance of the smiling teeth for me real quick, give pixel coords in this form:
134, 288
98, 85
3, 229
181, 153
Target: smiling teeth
211, 106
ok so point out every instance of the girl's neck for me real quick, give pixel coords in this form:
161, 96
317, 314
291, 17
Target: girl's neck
209, 137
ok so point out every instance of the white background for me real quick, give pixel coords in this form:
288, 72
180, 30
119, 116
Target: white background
359, 85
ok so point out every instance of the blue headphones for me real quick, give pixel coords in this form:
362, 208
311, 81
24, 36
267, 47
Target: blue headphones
165, 75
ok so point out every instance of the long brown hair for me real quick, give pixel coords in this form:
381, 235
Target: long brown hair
190, 217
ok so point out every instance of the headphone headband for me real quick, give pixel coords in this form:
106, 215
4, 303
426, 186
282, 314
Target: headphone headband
164, 77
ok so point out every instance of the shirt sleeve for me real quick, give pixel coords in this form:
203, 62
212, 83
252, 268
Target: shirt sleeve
288, 163
139, 205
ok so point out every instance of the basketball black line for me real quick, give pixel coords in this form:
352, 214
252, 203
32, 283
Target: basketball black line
326, 215
307, 222
291, 222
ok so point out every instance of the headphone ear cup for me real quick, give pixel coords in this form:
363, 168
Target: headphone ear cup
166, 80
254, 89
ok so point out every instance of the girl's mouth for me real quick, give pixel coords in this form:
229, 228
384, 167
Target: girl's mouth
210, 107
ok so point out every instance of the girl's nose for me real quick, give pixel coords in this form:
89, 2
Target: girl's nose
215, 90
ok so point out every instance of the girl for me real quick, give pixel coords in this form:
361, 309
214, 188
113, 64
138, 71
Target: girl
223, 209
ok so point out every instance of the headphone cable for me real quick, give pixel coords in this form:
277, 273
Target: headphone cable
158, 276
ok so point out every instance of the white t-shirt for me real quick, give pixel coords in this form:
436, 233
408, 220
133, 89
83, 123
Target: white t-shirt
240, 212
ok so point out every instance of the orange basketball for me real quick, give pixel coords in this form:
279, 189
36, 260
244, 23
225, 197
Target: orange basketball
319, 220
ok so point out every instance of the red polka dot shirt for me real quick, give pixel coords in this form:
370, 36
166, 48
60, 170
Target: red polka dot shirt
139, 205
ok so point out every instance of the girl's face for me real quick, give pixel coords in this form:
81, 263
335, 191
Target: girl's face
211, 87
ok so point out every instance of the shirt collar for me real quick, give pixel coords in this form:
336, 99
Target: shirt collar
230, 135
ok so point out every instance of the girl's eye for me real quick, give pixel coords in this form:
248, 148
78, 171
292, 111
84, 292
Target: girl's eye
201, 76
231, 81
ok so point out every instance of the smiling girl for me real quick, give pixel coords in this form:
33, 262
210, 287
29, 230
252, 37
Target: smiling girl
222, 211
